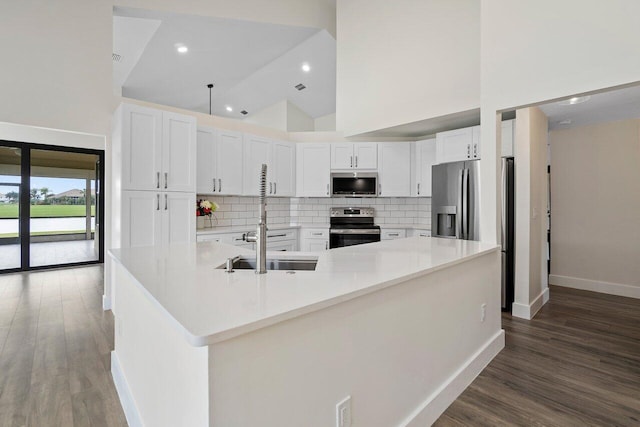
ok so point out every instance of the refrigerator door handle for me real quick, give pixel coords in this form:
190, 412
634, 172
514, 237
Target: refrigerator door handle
459, 209
504, 206
465, 204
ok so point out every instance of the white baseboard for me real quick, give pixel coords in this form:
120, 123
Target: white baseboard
438, 402
596, 286
106, 303
122, 387
527, 312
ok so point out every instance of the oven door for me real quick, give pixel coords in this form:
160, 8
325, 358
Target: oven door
340, 237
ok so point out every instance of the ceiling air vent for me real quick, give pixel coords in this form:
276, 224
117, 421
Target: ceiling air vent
300, 86
244, 112
116, 57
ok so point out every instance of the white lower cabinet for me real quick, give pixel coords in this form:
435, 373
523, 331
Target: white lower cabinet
393, 233
285, 239
420, 232
157, 218
314, 239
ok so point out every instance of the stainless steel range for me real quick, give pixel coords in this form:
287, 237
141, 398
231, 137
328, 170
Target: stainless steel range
352, 226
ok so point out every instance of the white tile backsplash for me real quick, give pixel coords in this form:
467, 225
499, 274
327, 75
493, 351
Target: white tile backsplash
241, 211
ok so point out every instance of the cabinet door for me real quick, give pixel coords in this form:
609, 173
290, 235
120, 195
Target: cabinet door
229, 163
314, 245
475, 145
141, 219
178, 217
365, 155
206, 161
284, 171
281, 246
342, 156
178, 152
141, 148
394, 169
425, 159
313, 170
454, 145
507, 138
256, 152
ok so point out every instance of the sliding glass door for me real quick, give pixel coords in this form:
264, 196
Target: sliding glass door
50, 206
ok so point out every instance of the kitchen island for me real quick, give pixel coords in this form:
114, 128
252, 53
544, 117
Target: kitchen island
401, 326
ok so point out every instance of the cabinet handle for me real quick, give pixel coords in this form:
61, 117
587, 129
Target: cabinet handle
475, 150
327, 189
379, 189
275, 188
157, 179
418, 189
326, 245
214, 185
271, 188
219, 185
276, 235
468, 151
165, 202
394, 234
356, 161
157, 202
166, 179
351, 162
316, 234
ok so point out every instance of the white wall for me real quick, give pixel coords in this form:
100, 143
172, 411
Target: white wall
406, 60
539, 50
530, 149
325, 123
595, 207
298, 120
273, 116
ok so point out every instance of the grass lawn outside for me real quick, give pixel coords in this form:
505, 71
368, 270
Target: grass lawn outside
10, 211
44, 233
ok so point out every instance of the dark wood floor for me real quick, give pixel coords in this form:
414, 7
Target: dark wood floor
577, 363
55, 341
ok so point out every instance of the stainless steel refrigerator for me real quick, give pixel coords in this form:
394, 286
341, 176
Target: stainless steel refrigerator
454, 200
455, 214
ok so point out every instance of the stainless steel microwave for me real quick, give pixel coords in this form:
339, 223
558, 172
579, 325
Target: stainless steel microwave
354, 184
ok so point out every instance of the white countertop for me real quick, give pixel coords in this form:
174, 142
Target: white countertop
209, 305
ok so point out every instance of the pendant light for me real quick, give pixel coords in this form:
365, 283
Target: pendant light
210, 86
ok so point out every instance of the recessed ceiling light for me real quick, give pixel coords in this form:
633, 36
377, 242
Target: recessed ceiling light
575, 100
229, 108
565, 122
306, 67
183, 49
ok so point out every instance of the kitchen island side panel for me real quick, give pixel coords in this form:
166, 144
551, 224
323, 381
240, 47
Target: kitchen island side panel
402, 353
161, 379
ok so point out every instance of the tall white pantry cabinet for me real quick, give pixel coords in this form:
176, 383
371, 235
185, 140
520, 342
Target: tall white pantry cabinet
155, 161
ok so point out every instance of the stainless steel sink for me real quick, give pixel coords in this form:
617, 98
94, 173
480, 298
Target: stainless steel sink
289, 264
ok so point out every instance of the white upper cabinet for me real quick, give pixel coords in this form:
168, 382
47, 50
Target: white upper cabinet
358, 155
141, 135
219, 162
158, 150
313, 170
394, 169
283, 166
425, 158
458, 145
178, 152
229, 162
257, 151
206, 166
508, 137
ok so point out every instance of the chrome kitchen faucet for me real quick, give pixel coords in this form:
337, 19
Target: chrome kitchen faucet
259, 237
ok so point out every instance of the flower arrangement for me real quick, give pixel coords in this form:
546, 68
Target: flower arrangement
205, 207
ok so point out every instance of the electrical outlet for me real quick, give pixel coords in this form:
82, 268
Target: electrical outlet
483, 312
343, 413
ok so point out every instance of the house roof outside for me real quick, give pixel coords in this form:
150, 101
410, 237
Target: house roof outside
71, 193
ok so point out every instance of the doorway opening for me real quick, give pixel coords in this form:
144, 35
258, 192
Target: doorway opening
51, 206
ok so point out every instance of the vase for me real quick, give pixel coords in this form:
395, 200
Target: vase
200, 223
